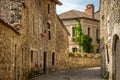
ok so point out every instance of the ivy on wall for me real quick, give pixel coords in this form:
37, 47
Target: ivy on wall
84, 41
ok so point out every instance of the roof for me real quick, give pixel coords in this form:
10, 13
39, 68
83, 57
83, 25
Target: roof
73, 14
57, 2
9, 26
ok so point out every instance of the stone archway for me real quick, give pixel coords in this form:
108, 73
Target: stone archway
115, 57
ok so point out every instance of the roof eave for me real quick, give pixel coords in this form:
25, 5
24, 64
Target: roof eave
81, 18
57, 2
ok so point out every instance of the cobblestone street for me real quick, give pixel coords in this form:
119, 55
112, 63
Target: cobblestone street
76, 74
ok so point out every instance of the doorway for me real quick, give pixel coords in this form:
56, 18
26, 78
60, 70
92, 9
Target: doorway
53, 59
115, 58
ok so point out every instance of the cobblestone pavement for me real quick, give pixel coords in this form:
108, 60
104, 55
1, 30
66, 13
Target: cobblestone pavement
76, 74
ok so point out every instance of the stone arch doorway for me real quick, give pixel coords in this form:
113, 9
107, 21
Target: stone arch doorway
115, 58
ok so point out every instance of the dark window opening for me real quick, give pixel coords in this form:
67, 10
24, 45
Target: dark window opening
48, 8
48, 25
107, 54
49, 35
31, 56
44, 31
74, 49
88, 31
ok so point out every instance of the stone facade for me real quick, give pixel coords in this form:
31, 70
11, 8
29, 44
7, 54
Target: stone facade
61, 45
33, 40
90, 26
109, 31
7, 47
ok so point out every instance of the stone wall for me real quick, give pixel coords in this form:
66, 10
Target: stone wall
110, 26
7, 51
79, 62
62, 44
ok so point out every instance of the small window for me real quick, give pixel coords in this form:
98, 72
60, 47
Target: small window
48, 24
44, 31
108, 60
48, 8
33, 26
31, 56
74, 49
88, 31
49, 35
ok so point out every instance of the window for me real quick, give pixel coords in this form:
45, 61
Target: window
22, 56
97, 34
49, 31
53, 58
15, 62
31, 56
88, 31
33, 27
48, 25
48, 8
73, 32
108, 60
74, 49
49, 35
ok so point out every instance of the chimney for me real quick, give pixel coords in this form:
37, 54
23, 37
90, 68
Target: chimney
90, 10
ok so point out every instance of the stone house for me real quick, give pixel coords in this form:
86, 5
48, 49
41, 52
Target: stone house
17, 46
33, 27
109, 34
8, 40
90, 26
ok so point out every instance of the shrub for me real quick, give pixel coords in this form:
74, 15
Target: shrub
71, 54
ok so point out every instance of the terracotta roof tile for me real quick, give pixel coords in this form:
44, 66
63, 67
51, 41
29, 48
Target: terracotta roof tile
73, 14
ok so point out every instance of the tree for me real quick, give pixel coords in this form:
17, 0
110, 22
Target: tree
86, 44
83, 40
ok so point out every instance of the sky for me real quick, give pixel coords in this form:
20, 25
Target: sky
76, 4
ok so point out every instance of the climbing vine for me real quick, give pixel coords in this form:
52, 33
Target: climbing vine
84, 41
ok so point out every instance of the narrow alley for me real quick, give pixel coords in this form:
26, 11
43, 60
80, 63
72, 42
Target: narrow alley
76, 74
